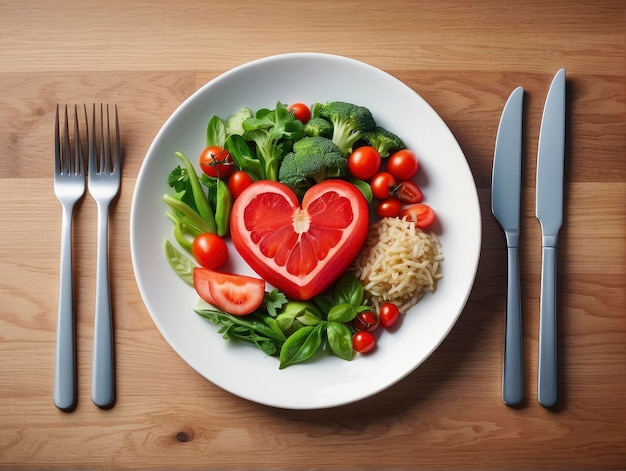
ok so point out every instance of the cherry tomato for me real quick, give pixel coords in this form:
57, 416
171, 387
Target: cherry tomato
390, 208
402, 164
238, 182
216, 162
210, 250
300, 111
382, 183
389, 314
366, 320
422, 214
364, 162
408, 192
363, 341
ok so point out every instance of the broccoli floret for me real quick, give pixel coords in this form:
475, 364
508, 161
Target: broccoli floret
273, 133
385, 142
318, 127
349, 122
313, 160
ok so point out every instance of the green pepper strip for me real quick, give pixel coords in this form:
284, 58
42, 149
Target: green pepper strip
202, 203
223, 207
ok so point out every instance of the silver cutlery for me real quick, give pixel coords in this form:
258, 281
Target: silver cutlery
505, 205
104, 184
69, 187
549, 211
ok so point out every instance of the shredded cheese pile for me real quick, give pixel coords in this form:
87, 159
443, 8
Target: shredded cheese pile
398, 263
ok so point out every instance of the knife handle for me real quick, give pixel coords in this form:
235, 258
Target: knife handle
512, 374
547, 380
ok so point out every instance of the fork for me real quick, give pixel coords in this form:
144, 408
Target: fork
104, 184
69, 187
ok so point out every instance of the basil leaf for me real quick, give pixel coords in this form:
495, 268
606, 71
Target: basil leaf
343, 312
349, 290
340, 340
304, 312
182, 265
301, 345
244, 157
215, 132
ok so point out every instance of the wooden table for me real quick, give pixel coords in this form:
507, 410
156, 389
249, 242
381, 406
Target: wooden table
464, 58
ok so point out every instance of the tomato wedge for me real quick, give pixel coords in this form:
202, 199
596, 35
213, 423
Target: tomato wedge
235, 294
421, 214
299, 249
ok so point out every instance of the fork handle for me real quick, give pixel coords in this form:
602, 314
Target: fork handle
103, 381
65, 358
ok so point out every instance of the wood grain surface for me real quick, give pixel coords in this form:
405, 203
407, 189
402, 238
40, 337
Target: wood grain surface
464, 58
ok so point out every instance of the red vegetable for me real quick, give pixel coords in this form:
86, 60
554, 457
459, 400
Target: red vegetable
300, 250
210, 250
363, 341
364, 162
422, 214
300, 111
388, 314
236, 294
402, 164
216, 162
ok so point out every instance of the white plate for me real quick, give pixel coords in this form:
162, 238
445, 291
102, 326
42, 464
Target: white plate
444, 177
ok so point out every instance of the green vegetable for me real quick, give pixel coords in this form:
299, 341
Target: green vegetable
273, 132
234, 123
313, 160
183, 266
301, 345
349, 122
340, 340
244, 157
273, 301
200, 200
364, 187
223, 207
385, 142
215, 132
257, 329
296, 314
318, 126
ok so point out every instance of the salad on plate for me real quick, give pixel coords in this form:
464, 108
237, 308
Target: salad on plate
322, 203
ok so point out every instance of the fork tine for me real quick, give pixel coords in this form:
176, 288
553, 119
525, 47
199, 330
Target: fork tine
65, 160
106, 141
78, 148
93, 169
118, 146
57, 144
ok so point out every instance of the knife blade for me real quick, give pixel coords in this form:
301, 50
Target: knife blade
505, 206
549, 211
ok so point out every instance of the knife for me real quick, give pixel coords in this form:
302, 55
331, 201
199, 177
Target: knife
549, 211
505, 206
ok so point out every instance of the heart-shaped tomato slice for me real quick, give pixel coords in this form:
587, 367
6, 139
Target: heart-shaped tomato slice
299, 249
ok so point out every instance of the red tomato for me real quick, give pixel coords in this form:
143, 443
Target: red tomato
382, 184
388, 314
238, 182
390, 208
408, 192
363, 341
366, 320
422, 214
300, 111
210, 250
216, 162
364, 162
236, 294
299, 249
402, 164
